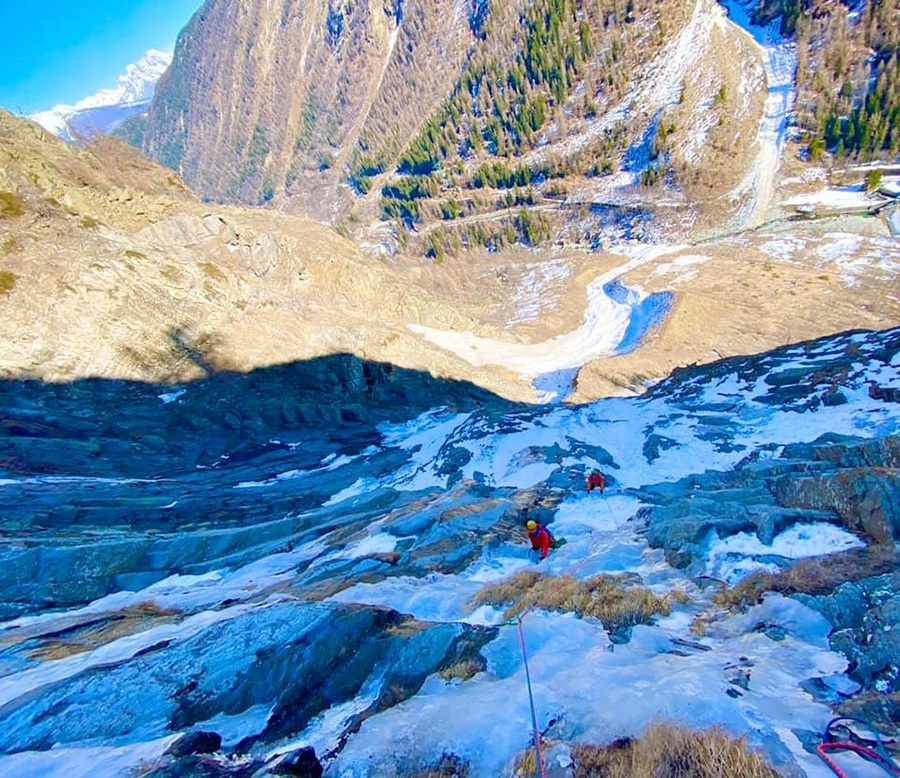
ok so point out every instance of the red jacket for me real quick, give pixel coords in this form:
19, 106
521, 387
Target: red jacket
540, 540
595, 480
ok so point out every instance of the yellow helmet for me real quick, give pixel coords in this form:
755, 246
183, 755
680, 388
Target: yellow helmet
531, 525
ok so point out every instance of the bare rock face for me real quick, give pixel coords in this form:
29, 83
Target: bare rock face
259, 253
861, 484
867, 499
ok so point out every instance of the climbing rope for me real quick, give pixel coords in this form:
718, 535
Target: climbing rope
518, 622
832, 744
613, 515
537, 735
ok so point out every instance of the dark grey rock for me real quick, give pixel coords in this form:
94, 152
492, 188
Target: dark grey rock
866, 619
302, 763
199, 742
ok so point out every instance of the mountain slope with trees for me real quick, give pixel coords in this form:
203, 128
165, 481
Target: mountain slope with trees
848, 73
352, 112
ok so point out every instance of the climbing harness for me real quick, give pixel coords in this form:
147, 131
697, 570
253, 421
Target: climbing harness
831, 743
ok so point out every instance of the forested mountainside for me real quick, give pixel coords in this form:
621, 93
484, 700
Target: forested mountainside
468, 125
269, 101
848, 73
283, 103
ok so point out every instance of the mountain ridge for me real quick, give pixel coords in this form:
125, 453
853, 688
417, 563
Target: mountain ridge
104, 110
134, 274
607, 116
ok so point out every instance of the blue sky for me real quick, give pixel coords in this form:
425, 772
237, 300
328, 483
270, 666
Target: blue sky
58, 51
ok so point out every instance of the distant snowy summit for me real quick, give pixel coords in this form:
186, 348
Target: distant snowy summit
102, 111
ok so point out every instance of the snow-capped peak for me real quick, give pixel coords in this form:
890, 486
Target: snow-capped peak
134, 89
135, 85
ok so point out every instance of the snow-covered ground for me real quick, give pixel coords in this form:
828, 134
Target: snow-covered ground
851, 256
102, 110
837, 197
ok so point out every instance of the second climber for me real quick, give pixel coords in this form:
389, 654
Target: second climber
539, 537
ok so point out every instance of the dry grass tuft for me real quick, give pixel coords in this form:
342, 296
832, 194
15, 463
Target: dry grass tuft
526, 763
7, 281
616, 600
511, 590
10, 245
464, 669
671, 751
408, 628
122, 624
149, 608
11, 205
816, 575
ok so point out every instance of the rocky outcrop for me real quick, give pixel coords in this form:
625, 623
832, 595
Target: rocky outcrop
292, 545
298, 659
863, 616
862, 484
835, 479
140, 429
228, 243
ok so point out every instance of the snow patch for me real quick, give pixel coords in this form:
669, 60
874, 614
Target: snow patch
731, 558
779, 58
86, 762
614, 321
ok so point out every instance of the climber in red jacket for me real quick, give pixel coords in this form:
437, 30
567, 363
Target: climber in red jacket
540, 538
595, 480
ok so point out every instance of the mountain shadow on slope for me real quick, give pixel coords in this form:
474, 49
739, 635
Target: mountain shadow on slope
114, 428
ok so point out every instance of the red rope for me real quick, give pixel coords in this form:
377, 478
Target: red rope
537, 734
824, 748
823, 755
